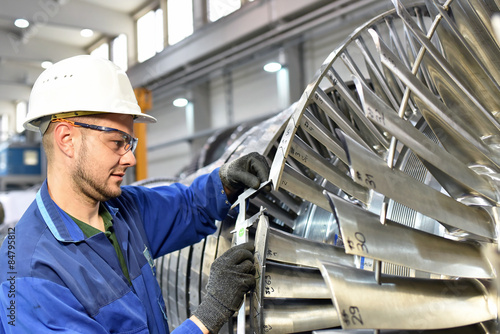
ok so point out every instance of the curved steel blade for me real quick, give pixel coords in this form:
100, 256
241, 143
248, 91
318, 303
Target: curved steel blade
370, 170
313, 160
413, 27
287, 281
405, 303
287, 248
363, 235
380, 113
450, 129
288, 316
300, 185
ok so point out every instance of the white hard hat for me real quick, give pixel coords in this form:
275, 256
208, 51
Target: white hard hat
82, 83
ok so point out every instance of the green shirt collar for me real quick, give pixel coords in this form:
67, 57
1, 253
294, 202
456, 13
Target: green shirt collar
89, 230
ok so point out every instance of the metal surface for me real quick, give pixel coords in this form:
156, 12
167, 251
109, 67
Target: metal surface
405, 303
241, 236
289, 317
287, 298
171, 302
183, 272
310, 158
471, 329
452, 130
257, 299
445, 70
370, 170
387, 118
286, 248
286, 281
298, 184
420, 135
392, 242
400, 127
195, 275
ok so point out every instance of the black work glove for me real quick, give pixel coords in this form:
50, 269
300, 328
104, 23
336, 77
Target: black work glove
248, 171
231, 276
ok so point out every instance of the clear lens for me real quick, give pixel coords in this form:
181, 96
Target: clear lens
119, 142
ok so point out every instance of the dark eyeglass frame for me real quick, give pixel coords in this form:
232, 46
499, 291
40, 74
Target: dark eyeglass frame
130, 141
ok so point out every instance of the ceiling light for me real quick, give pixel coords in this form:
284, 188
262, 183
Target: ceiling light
46, 64
180, 102
86, 33
21, 23
272, 67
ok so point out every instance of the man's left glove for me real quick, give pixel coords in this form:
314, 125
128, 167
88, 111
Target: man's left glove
231, 276
248, 171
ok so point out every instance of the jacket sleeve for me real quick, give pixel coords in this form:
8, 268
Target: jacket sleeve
187, 327
176, 216
31, 305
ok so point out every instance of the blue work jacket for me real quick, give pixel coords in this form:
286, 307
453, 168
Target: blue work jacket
55, 279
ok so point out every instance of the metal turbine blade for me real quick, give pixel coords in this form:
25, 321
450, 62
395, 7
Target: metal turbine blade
287, 281
405, 303
313, 126
325, 104
450, 129
326, 169
371, 171
380, 113
482, 71
364, 235
408, 21
300, 185
286, 316
287, 248
270, 308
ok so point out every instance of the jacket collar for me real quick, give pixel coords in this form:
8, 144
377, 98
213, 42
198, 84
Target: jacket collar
59, 222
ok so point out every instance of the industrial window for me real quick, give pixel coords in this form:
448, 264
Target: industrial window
21, 110
180, 20
101, 51
149, 34
4, 131
221, 8
119, 51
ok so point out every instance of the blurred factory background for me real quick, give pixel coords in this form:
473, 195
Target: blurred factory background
202, 60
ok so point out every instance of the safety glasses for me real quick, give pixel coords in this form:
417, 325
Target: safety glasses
118, 141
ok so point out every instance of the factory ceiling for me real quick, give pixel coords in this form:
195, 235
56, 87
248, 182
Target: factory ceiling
54, 33
55, 29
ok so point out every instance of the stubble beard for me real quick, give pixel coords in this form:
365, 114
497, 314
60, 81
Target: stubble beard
88, 184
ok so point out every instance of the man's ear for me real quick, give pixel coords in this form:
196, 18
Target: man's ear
64, 136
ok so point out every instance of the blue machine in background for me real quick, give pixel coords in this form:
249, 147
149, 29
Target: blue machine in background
22, 171
20, 165
20, 159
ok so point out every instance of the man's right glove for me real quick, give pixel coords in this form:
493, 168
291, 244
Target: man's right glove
231, 276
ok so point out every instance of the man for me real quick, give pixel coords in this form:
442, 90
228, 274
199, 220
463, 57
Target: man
80, 260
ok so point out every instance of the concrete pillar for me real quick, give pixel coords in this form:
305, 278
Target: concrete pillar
164, 8
290, 79
200, 14
198, 115
294, 63
228, 95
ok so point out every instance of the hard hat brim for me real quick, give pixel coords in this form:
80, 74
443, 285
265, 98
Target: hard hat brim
34, 125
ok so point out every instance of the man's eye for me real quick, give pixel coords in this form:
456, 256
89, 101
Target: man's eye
117, 138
